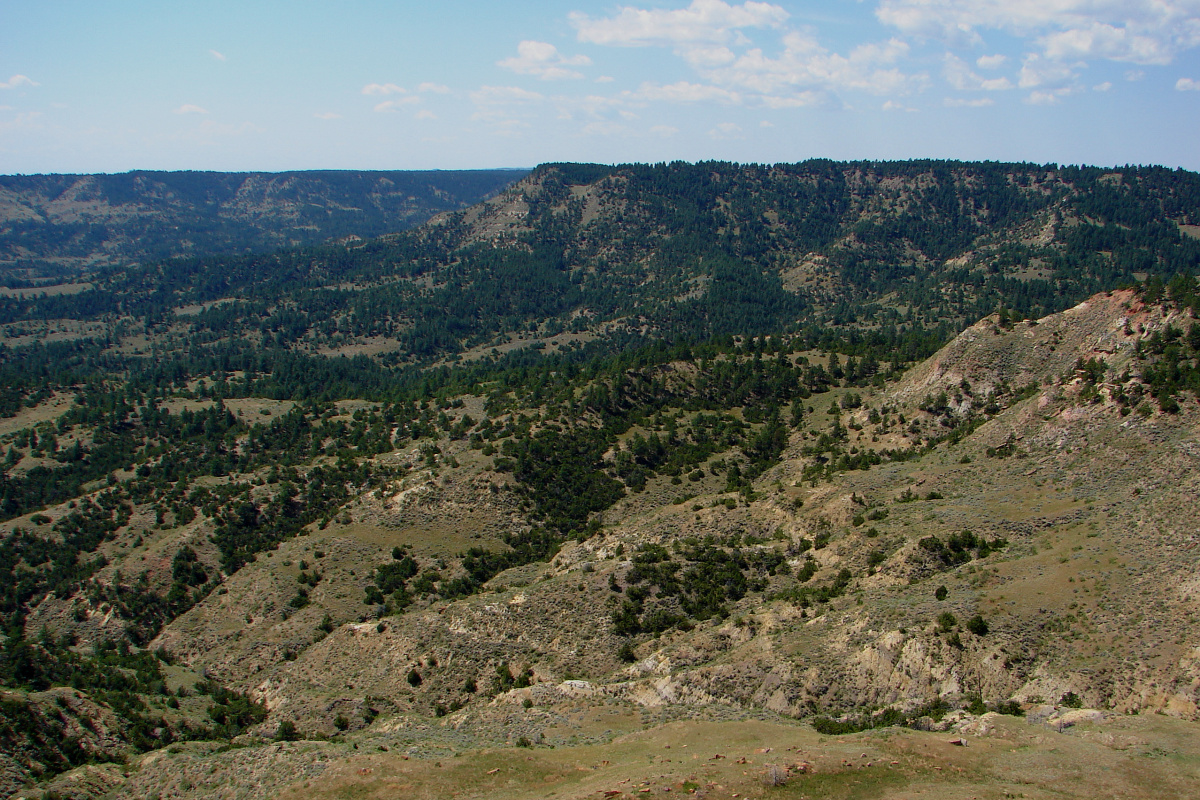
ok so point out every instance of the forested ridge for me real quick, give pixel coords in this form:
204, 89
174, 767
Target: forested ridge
679, 250
617, 325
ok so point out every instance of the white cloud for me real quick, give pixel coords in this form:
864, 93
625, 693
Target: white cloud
1102, 87
1047, 97
709, 56
434, 88
18, 80
665, 131
1102, 40
960, 76
1135, 75
704, 21
711, 37
542, 60
797, 100
397, 104
1139, 31
1038, 71
425, 113
384, 89
605, 79
327, 115
1187, 85
218, 56
727, 130
684, 92
991, 62
806, 65
963, 102
892, 105
190, 108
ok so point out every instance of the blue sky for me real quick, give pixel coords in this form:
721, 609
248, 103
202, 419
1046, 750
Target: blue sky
254, 85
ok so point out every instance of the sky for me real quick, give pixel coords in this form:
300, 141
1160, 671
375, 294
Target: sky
359, 84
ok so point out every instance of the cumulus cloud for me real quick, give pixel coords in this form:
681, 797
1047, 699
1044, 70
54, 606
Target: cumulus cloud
18, 80
795, 100
991, 62
1037, 71
425, 113
542, 60
806, 65
1047, 97
1102, 40
190, 108
702, 22
1102, 87
713, 38
383, 89
1139, 31
434, 88
960, 76
1187, 85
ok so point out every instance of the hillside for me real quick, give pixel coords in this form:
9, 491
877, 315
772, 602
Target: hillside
229, 551
1075, 580
64, 226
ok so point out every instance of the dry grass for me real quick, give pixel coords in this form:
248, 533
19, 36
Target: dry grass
1130, 757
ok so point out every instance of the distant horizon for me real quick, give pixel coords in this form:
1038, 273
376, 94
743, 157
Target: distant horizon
1049, 164
269, 86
